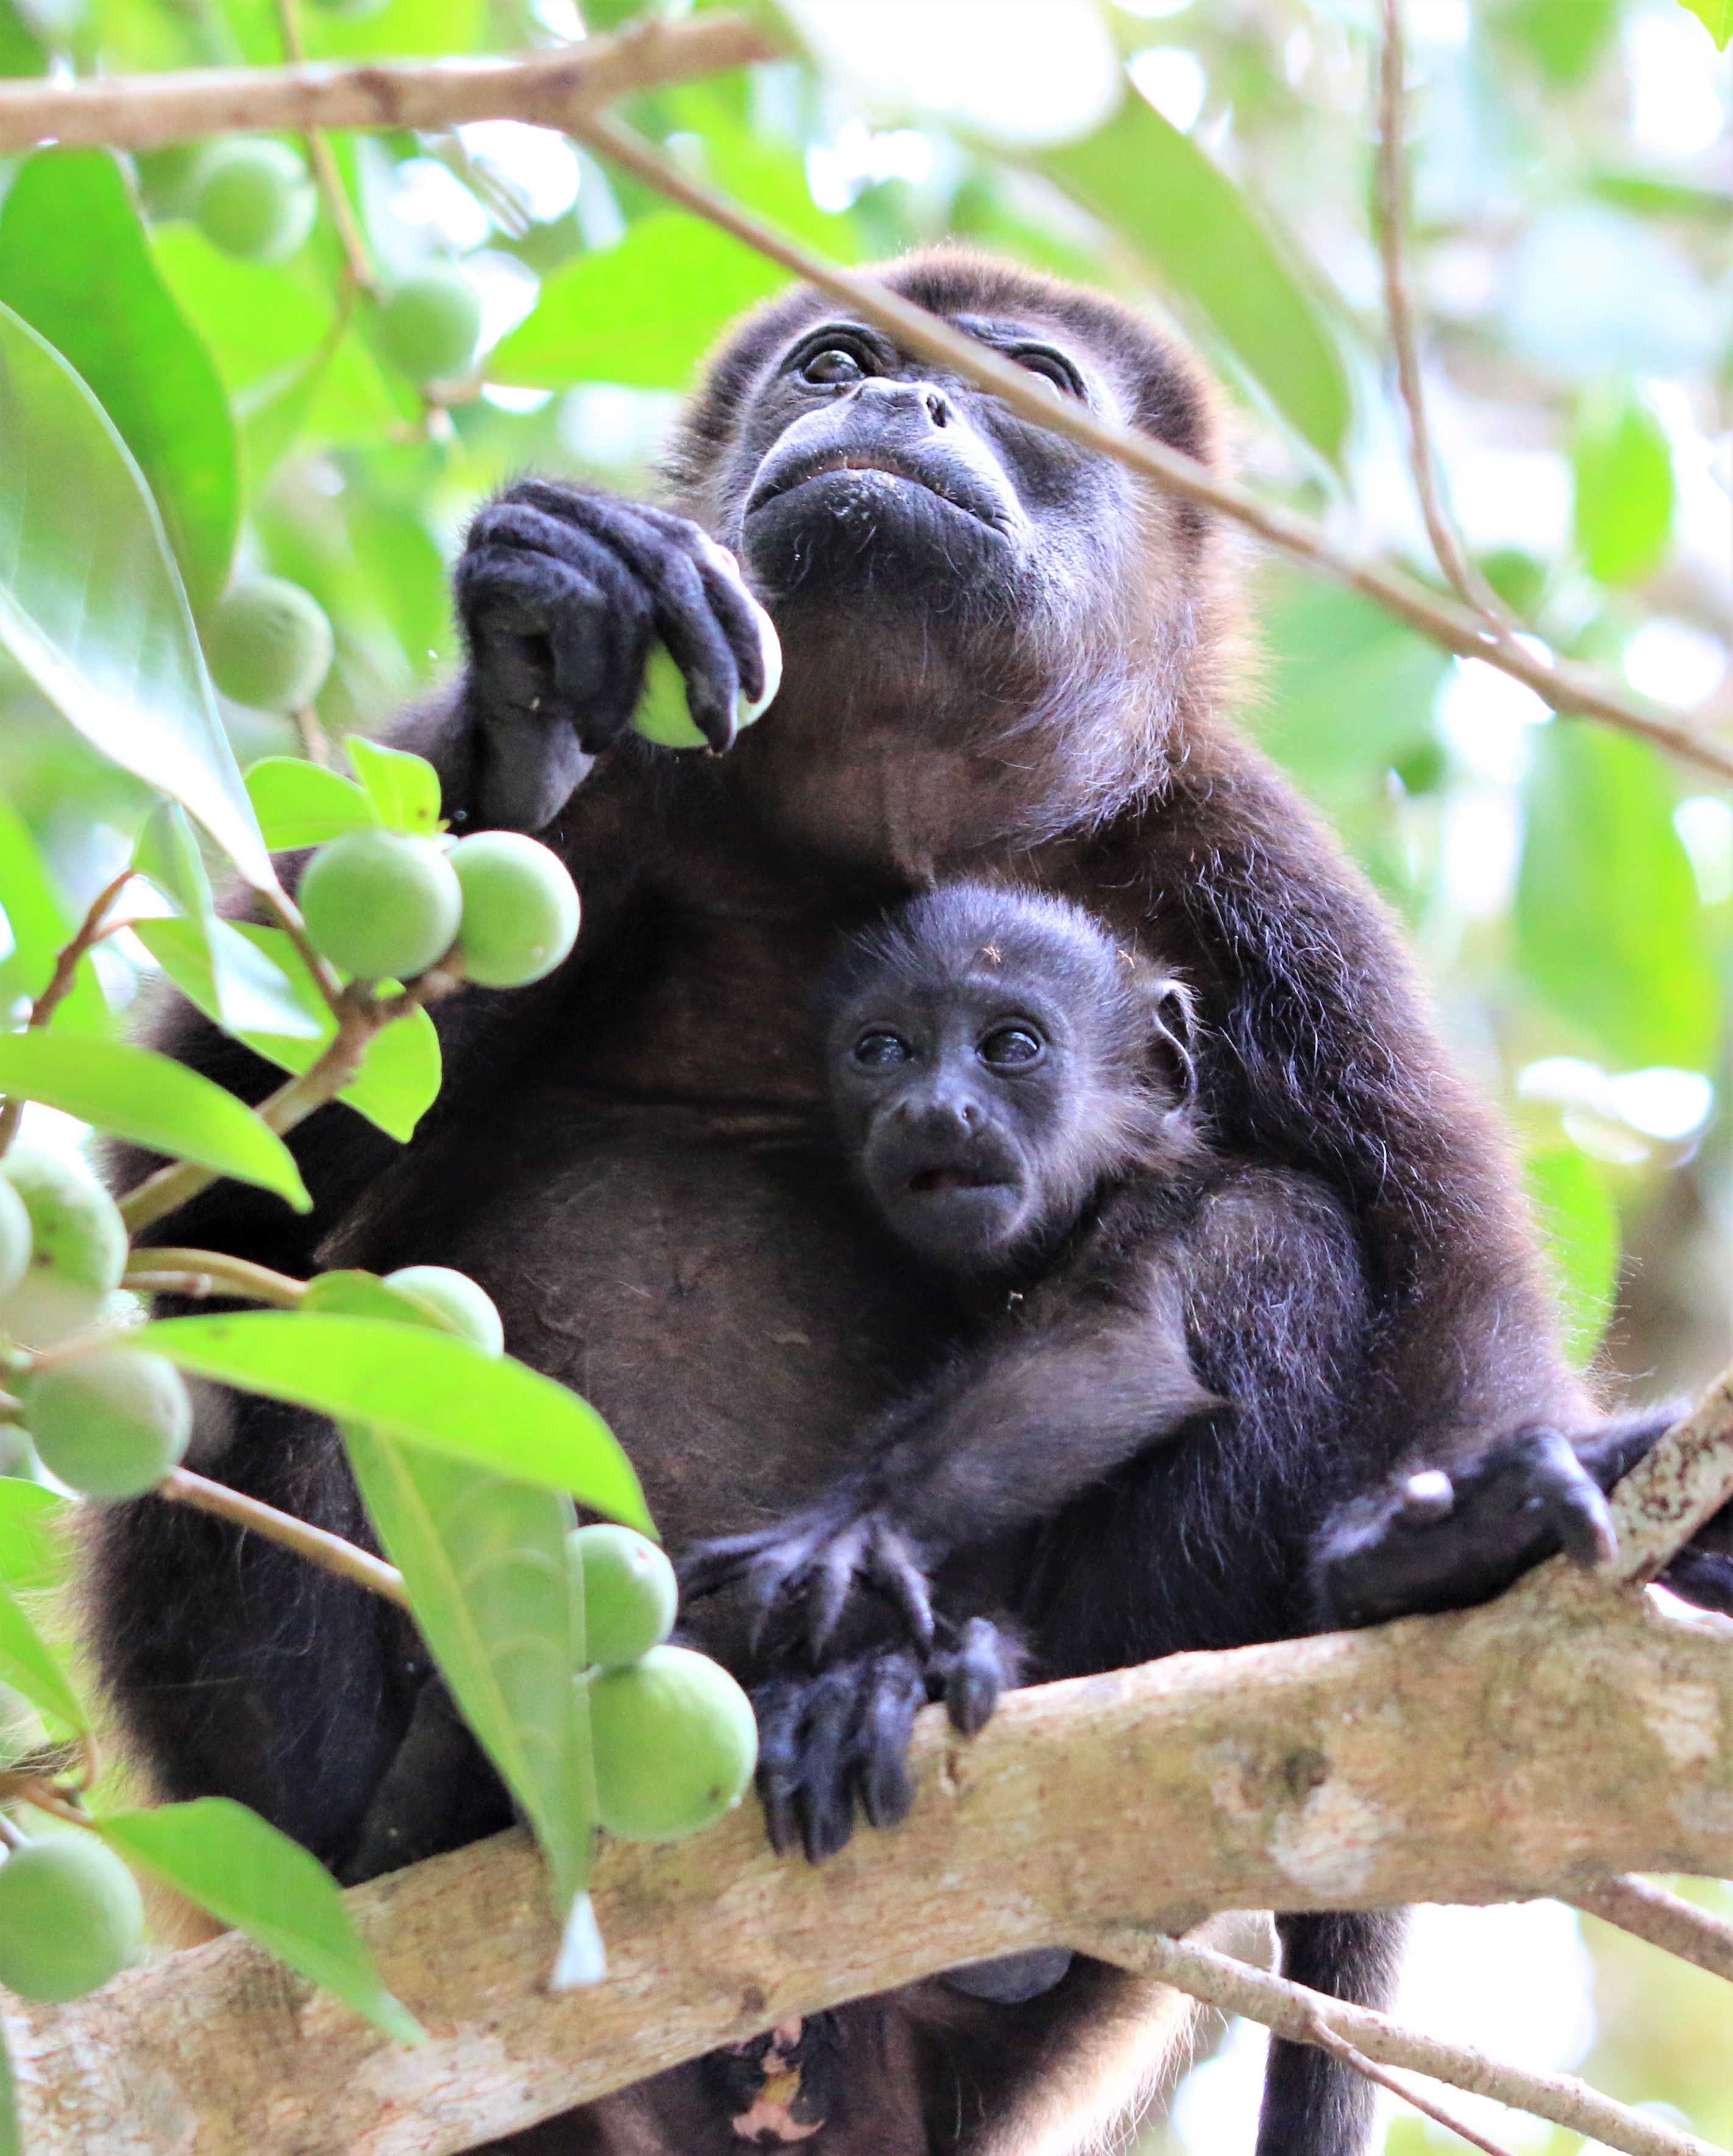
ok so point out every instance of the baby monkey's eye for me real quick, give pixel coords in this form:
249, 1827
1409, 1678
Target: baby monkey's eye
834, 363
1012, 1045
878, 1049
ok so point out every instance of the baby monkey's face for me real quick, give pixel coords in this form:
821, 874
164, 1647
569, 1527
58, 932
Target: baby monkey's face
970, 1104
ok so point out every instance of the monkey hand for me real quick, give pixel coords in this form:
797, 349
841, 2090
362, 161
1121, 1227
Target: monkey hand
838, 1740
1432, 1541
561, 592
805, 1574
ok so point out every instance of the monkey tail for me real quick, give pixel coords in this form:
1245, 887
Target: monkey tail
1313, 2105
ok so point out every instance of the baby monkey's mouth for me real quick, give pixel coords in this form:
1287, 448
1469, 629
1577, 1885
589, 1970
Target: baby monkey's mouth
927, 1179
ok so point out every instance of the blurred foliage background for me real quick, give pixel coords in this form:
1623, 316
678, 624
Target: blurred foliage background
1570, 893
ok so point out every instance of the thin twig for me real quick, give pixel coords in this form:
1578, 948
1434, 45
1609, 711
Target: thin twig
1338, 2047
1295, 2011
329, 1552
172, 1271
92, 929
548, 88
295, 928
1665, 1919
329, 180
1392, 193
1564, 685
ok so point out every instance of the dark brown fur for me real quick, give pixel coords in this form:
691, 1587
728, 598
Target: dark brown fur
632, 1157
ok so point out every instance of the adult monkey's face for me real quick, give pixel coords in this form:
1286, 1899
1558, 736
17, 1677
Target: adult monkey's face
861, 486
861, 471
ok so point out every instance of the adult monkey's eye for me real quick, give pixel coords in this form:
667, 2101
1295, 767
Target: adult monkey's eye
835, 364
1053, 368
1010, 1045
876, 1049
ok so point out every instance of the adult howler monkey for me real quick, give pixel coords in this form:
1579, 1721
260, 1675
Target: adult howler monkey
1006, 659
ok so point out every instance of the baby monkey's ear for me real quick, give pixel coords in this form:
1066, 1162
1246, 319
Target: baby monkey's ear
1173, 1031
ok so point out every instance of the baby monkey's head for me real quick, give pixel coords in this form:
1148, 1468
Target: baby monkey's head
995, 1057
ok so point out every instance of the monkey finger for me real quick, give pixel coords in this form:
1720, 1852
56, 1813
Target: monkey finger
824, 1801
985, 1662
779, 1709
834, 1570
893, 1565
896, 1691
1702, 1577
1573, 1502
709, 1565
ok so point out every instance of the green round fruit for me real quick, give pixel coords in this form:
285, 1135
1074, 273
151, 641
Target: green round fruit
454, 1303
428, 326
268, 645
380, 905
14, 1238
112, 1422
71, 1917
675, 1744
630, 1594
78, 1249
664, 715
253, 200
521, 909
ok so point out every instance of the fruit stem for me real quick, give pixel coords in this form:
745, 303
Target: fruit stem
360, 1567
324, 979
202, 1273
91, 930
360, 1017
313, 744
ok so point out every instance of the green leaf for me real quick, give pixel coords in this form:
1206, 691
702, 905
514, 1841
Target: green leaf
299, 803
1566, 37
75, 264
644, 313
34, 1557
20, 53
404, 789
91, 606
1716, 17
39, 929
238, 987
1348, 691
1578, 1222
30, 1666
153, 1100
247, 1873
483, 1560
1214, 252
1623, 467
12, 2140
1609, 926
398, 1079
428, 1387
167, 852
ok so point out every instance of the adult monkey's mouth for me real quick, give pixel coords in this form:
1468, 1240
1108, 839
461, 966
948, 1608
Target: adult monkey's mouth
822, 464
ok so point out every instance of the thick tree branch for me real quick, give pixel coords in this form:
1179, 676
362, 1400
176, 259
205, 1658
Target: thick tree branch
1292, 2010
1567, 687
139, 112
1498, 1754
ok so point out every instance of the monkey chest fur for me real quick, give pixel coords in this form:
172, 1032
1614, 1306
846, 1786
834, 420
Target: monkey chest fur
707, 1278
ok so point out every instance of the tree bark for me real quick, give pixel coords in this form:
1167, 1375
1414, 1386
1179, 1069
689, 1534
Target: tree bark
550, 90
1549, 1740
